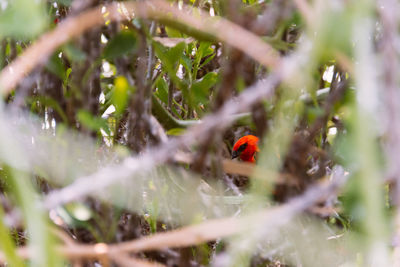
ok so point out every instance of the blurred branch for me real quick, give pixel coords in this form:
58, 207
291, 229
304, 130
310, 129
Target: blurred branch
368, 174
389, 12
306, 10
159, 10
210, 230
238, 168
229, 166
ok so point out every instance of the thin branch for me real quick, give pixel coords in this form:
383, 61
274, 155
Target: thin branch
158, 10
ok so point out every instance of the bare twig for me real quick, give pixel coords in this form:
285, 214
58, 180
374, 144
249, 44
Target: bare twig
160, 10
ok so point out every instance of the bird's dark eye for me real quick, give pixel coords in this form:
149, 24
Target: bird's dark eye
242, 147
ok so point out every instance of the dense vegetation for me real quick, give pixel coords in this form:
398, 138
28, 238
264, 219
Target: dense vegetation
118, 120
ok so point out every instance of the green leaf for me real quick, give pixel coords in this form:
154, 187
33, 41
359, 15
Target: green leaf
249, 2
203, 50
123, 43
56, 66
171, 32
121, 94
176, 131
170, 57
74, 53
187, 63
200, 88
162, 90
175, 53
91, 122
207, 60
67, 74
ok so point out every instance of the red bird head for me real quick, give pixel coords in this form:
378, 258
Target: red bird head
245, 148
